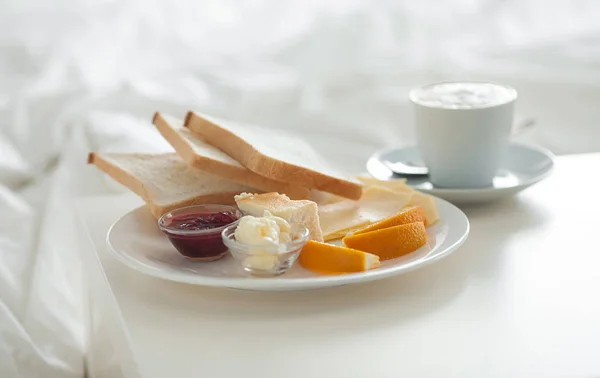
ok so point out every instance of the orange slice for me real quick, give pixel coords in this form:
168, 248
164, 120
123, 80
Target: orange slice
392, 242
331, 259
408, 215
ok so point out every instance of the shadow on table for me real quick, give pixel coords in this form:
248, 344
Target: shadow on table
493, 227
391, 302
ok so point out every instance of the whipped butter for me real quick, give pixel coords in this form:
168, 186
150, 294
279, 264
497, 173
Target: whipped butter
265, 236
267, 230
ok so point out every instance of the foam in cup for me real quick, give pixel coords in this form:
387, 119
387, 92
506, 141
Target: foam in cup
463, 95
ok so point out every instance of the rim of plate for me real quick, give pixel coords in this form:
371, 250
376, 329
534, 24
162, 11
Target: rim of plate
544, 151
251, 283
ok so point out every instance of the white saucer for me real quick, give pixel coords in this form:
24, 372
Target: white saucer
136, 241
522, 167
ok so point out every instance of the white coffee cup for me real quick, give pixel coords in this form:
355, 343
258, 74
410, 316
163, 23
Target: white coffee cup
462, 130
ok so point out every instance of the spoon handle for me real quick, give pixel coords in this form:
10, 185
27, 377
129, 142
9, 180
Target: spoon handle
523, 125
403, 169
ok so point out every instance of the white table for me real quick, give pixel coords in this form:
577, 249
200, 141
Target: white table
520, 299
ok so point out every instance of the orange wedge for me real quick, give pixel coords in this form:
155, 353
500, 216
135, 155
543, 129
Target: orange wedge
392, 242
408, 215
330, 259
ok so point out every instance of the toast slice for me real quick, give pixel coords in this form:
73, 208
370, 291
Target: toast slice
165, 182
272, 154
294, 211
199, 154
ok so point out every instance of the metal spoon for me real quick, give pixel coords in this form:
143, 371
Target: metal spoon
409, 169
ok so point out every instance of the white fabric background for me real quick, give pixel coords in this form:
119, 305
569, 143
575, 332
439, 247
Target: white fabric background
86, 75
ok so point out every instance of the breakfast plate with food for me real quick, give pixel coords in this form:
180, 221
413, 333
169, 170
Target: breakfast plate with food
233, 208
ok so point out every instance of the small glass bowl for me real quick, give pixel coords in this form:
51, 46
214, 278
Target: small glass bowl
198, 245
266, 261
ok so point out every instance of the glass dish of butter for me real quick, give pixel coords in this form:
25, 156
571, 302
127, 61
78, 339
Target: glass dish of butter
266, 246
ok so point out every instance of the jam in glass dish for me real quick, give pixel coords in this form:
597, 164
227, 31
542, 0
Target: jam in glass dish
195, 231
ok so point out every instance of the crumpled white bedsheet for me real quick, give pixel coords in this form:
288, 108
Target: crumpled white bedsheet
77, 76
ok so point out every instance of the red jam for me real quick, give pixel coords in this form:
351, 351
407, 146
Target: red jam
202, 221
196, 231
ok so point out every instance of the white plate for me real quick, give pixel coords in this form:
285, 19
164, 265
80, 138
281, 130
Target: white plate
522, 167
136, 241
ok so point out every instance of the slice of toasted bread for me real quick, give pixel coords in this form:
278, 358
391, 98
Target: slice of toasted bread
200, 154
273, 154
165, 182
295, 211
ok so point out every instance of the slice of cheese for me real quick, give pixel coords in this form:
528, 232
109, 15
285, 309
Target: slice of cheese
324, 198
380, 200
376, 203
340, 217
398, 185
428, 203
